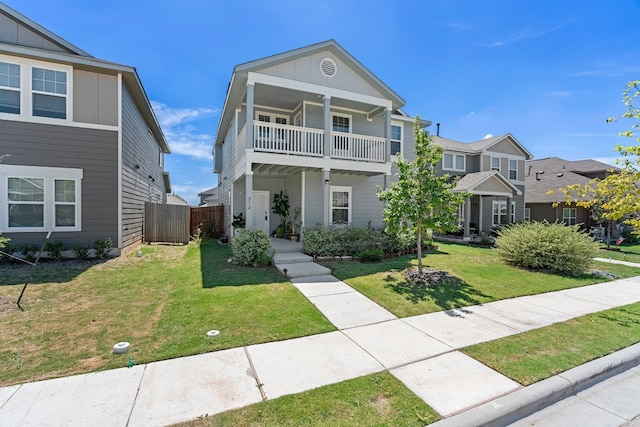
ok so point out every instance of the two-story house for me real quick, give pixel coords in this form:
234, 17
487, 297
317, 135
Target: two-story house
317, 125
81, 147
493, 171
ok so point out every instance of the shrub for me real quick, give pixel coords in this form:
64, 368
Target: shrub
251, 247
4, 241
55, 248
555, 248
28, 251
81, 252
371, 255
102, 247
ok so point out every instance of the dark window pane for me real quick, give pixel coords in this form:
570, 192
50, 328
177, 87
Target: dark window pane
341, 216
26, 189
26, 215
65, 190
49, 106
65, 215
9, 101
395, 147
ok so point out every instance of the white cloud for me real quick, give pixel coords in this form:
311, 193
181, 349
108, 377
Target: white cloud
527, 33
487, 136
184, 138
607, 71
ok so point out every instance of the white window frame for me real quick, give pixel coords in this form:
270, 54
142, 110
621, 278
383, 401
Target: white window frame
497, 213
14, 89
569, 216
348, 116
401, 126
493, 168
26, 92
340, 189
454, 156
513, 170
527, 214
49, 175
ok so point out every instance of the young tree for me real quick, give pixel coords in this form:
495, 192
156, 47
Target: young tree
618, 195
421, 199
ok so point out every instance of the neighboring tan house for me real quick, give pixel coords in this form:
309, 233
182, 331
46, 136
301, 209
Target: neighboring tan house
492, 170
317, 125
209, 197
82, 147
545, 177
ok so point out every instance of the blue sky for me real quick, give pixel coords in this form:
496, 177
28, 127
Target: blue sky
549, 72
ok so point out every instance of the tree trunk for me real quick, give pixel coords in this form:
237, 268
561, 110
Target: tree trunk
419, 248
608, 235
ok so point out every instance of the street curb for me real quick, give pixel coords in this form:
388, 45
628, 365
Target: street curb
526, 401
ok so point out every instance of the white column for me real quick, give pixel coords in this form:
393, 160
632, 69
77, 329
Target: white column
509, 210
480, 212
250, 100
467, 219
248, 194
387, 134
327, 126
326, 173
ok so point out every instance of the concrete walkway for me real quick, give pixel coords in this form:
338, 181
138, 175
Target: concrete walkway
421, 351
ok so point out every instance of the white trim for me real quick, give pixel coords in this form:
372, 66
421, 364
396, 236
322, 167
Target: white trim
49, 175
303, 196
310, 162
527, 214
570, 217
271, 116
347, 116
491, 163
120, 170
453, 165
342, 189
517, 169
253, 78
499, 203
401, 126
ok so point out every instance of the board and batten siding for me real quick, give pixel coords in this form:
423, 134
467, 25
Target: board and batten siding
94, 151
14, 32
142, 170
95, 98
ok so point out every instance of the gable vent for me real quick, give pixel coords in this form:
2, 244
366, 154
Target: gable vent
328, 67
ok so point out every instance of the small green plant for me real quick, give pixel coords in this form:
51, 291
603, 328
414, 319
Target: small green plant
251, 247
28, 251
4, 241
371, 255
102, 247
239, 221
280, 207
55, 248
81, 251
556, 248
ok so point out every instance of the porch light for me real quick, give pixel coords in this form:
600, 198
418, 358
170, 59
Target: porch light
326, 182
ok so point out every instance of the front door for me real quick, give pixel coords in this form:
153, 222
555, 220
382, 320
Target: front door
260, 208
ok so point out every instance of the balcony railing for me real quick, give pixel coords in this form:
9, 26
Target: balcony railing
286, 139
358, 147
296, 140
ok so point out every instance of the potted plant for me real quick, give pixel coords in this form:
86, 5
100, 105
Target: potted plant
238, 221
296, 224
280, 207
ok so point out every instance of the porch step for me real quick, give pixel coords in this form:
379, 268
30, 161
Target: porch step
291, 258
285, 246
304, 269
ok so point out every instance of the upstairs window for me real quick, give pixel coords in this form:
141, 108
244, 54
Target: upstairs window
396, 139
454, 162
49, 89
513, 169
341, 124
495, 164
9, 88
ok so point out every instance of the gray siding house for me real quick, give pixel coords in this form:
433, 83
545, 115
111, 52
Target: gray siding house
82, 149
317, 125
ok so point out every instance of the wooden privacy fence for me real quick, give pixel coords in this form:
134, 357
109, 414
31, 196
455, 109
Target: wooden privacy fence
211, 218
176, 224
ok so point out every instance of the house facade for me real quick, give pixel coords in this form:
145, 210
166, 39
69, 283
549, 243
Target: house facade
317, 125
81, 147
492, 170
545, 177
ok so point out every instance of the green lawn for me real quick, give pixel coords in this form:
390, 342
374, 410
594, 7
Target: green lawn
541, 353
626, 252
163, 304
482, 277
373, 400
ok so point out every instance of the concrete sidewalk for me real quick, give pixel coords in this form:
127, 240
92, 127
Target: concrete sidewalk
421, 351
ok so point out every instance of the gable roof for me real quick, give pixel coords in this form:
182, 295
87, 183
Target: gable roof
471, 181
54, 38
236, 87
80, 59
558, 173
482, 145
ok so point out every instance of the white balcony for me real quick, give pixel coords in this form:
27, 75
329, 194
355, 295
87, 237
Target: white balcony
303, 141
